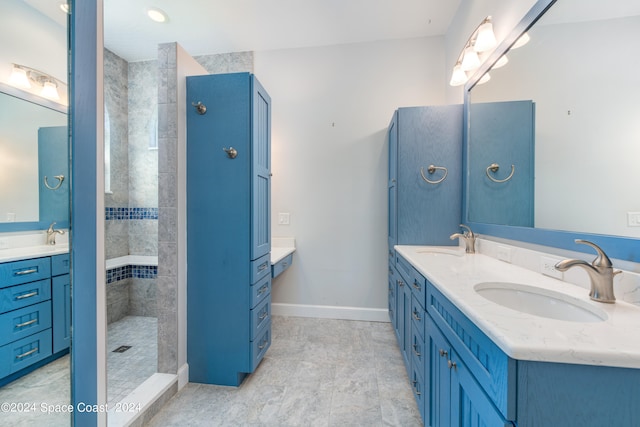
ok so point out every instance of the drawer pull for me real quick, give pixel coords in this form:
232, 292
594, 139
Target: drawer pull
263, 344
451, 365
415, 382
284, 265
443, 353
417, 287
263, 315
28, 353
262, 266
262, 290
415, 351
23, 272
416, 316
29, 295
30, 322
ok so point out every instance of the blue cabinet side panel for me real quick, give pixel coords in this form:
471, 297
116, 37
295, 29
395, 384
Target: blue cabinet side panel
392, 184
261, 139
429, 213
504, 131
556, 394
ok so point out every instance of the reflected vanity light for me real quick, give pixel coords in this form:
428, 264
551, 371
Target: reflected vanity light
64, 6
524, 39
482, 40
24, 77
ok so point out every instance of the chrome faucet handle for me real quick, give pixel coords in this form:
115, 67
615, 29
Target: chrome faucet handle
602, 260
51, 229
467, 231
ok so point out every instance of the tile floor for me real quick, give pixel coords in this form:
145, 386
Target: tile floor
318, 372
51, 383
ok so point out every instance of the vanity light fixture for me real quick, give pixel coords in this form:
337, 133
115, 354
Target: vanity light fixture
157, 15
482, 40
25, 77
64, 6
524, 39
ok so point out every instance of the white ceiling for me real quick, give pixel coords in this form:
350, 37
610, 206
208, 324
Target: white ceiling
220, 26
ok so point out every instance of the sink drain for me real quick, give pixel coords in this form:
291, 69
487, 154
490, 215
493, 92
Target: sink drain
122, 349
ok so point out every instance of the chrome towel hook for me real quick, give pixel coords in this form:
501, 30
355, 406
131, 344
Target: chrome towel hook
231, 152
60, 178
432, 169
200, 107
494, 167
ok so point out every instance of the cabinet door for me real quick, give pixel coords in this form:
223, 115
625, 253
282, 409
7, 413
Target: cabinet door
470, 406
261, 170
407, 349
392, 298
392, 184
61, 301
437, 378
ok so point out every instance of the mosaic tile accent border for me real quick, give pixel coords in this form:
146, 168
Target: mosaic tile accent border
124, 214
129, 271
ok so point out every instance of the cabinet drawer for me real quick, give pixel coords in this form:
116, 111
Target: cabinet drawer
30, 270
260, 290
18, 324
260, 345
260, 317
415, 280
418, 352
60, 265
490, 366
418, 387
281, 265
417, 317
22, 353
24, 295
260, 268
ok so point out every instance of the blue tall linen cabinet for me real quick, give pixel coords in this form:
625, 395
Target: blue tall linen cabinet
228, 227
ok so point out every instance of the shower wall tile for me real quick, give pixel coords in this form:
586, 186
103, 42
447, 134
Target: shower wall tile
117, 300
142, 296
236, 62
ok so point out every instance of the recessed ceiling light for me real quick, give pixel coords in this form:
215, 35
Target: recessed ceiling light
157, 15
64, 6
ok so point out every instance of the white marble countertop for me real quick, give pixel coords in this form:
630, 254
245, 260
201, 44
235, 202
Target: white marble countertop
612, 342
28, 252
278, 253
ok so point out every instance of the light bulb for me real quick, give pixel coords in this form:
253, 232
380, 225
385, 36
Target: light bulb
157, 15
458, 77
500, 62
470, 60
524, 39
485, 39
50, 90
484, 79
19, 78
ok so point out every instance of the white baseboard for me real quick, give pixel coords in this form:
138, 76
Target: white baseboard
183, 376
330, 312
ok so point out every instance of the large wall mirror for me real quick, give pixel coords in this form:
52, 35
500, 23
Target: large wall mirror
561, 122
34, 165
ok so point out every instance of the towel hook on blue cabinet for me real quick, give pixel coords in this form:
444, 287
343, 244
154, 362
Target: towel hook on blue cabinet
60, 178
494, 167
200, 107
231, 152
432, 169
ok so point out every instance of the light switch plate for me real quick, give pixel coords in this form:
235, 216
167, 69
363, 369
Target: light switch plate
284, 218
547, 267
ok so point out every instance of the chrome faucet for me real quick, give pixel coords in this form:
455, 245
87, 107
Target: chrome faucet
600, 272
468, 237
51, 234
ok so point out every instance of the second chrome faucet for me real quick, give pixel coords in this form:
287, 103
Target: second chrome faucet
468, 237
600, 273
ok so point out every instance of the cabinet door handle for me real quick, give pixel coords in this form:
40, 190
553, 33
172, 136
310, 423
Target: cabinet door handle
262, 266
416, 286
29, 295
443, 353
30, 322
416, 316
23, 272
451, 365
262, 290
263, 316
415, 382
263, 344
28, 353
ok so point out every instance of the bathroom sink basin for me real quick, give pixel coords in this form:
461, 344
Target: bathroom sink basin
540, 302
436, 251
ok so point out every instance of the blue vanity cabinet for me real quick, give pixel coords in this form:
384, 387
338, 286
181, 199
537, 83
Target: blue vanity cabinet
61, 302
228, 227
27, 315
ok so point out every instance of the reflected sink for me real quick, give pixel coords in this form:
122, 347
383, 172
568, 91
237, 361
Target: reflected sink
540, 302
